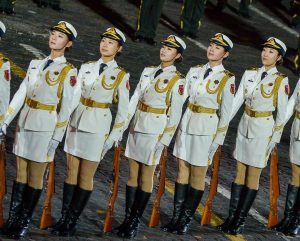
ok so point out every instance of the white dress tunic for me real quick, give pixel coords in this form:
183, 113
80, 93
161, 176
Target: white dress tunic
46, 97
199, 128
257, 126
294, 107
5, 77
90, 125
157, 106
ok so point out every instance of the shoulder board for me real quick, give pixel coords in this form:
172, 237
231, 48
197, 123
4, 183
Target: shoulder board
228, 73
121, 68
71, 65
252, 69
152, 66
180, 74
281, 74
90, 62
198, 66
4, 59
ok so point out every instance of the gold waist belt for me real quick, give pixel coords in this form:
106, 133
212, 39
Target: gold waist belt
201, 109
146, 108
38, 105
91, 103
257, 114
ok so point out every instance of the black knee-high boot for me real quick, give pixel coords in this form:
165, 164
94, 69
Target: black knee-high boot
238, 223
15, 205
293, 229
189, 209
130, 195
291, 198
79, 200
139, 205
236, 194
180, 195
67, 198
20, 227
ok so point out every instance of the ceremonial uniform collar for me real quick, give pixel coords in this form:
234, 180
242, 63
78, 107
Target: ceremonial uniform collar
270, 71
215, 69
169, 68
100, 61
60, 59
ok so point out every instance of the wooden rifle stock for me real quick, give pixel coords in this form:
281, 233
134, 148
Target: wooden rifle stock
2, 180
46, 219
206, 217
154, 219
274, 189
113, 190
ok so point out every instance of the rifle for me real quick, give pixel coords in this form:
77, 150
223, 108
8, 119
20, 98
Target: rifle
46, 220
2, 179
206, 217
113, 192
274, 189
154, 219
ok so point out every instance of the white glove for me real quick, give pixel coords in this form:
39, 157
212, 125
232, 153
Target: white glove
158, 149
107, 146
270, 148
212, 150
53, 144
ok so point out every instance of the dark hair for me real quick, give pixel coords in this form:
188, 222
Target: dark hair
280, 62
179, 60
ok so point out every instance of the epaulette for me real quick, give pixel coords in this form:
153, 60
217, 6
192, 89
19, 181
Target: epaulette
90, 62
198, 66
152, 66
228, 73
4, 59
182, 76
281, 74
71, 65
253, 69
121, 68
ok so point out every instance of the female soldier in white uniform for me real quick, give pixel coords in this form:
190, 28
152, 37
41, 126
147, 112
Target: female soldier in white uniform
263, 90
44, 97
210, 89
156, 106
103, 82
4, 80
290, 224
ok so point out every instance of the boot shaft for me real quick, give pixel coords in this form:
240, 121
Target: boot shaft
140, 203
17, 196
247, 201
192, 201
68, 192
237, 192
79, 200
291, 199
130, 196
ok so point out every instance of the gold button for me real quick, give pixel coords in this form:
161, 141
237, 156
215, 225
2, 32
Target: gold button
268, 118
94, 88
105, 114
256, 88
210, 116
157, 116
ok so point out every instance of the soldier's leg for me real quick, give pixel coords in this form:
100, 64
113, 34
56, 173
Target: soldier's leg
221, 4
183, 173
22, 165
36, 171
31, 197
295, 175
181, 191
253, 176
198, 177
55, 4
81, 195
143, 18
131, 188
70, 185
197, 184
236, 197
18, 190
154, 18
199, 7
244, 8
133, 175
9, 7
141, 200
146, 178
240, 173
290, 201
186, 16
73, 164
86, 175
248, 197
